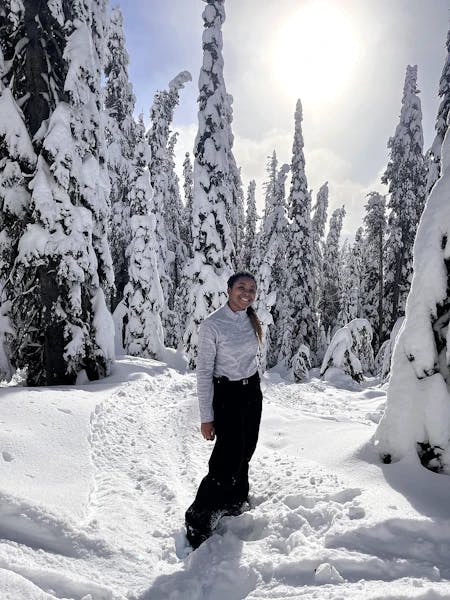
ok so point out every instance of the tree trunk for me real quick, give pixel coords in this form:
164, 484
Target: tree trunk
53, 333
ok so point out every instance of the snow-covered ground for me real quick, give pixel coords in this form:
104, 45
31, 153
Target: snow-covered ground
95, 479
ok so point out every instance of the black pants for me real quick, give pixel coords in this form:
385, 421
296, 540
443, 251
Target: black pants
237, 415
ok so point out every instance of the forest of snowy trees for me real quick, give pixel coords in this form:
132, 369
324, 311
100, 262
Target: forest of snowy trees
98, 234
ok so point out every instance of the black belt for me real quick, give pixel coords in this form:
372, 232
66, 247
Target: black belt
246, 381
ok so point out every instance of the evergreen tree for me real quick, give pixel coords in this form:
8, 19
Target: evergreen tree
17, 162
272, 268
188, 188
375, 228
120, 137
269, 193
250, 227
205, 276
161, 175
262, 236
235, 211
318, 222
175, 242
143, 296
416, 421
351, 283
434, 155
330, 300
405, 176
298, 319
63, 263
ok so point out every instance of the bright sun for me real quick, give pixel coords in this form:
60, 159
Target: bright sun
315, 52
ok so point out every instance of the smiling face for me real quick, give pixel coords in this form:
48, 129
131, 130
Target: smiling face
242, 294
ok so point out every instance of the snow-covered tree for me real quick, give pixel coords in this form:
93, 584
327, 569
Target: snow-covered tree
177, 247
120, 137
206, 274
188, 189
405, 176
63, 265
235, 211
350, 350
298, 324
270, 192
351, 284
417, 417
17, 162
318, 222
263, 234
272, 268
331, 294
143, 296
434, 154
375, 228
383, 358
162, 178
250, 227
349, 290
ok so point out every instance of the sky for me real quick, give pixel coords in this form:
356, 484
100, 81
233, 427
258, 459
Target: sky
345, 60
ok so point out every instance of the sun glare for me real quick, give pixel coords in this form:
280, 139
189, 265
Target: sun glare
315, 52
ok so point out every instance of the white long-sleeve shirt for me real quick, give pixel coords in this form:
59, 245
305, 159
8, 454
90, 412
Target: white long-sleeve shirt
227, 346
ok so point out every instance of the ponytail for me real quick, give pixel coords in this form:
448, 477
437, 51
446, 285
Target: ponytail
256, 323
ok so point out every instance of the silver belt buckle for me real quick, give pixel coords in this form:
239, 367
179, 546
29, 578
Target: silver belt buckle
244, 381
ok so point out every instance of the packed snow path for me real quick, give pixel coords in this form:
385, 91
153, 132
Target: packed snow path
96, 479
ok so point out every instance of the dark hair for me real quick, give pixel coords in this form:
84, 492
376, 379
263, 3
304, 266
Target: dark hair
256, 323
239, 275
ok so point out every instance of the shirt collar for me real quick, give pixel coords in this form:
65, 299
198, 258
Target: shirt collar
236, 316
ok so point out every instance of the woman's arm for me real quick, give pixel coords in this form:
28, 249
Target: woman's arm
207, 348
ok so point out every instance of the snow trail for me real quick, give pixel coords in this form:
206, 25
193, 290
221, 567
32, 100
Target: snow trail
327, 521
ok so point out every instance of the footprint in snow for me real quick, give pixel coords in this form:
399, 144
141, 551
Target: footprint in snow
7, 456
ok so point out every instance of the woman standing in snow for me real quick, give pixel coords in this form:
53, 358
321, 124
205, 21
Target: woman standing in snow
230, 402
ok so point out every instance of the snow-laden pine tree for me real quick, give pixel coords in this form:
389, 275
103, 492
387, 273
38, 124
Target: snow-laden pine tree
206, 274
350, 350
17, 162
318, 222
270, 191
261, 238
330, 300
175, 236
263, 233
161, 176
349, 291
405, 176
63, 264
188, 189
272, 269
434, 154
235, 212
120, 138
417, 417
352, 291
298, 324
143, 296
250, 226
372, 300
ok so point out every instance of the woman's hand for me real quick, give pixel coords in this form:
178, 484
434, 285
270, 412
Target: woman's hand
208, 431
